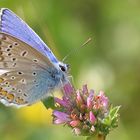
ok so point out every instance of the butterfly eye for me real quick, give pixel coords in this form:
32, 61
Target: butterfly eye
62, 68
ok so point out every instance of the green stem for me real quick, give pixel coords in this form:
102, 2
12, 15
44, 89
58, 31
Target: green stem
97, 137
100, 137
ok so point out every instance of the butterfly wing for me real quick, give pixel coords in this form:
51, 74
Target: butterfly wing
28, 75
11, 24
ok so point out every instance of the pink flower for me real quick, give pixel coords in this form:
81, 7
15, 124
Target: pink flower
80, 109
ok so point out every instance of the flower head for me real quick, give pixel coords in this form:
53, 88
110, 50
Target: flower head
84, 111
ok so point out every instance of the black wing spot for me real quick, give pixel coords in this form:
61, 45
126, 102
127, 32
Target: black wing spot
35, 60
15, 43
20, 73
13, 77
34, 73
24, 53
6, 83
19, 90
13, 89
23, 81
25, 95
14, 59
9, 54
8, 50
10, 46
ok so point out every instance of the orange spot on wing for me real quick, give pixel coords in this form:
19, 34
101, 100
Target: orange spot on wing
1, 80
3, 93
10, 97
19, 100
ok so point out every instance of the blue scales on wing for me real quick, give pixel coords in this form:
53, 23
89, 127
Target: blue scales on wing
11, 24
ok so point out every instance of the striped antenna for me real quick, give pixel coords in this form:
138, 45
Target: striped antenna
76, 49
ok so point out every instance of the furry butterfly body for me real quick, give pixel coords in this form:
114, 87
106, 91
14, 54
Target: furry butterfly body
31, 70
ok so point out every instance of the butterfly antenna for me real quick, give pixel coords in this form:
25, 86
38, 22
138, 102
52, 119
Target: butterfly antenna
76, 49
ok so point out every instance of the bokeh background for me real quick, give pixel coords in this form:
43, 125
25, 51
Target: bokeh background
111, 62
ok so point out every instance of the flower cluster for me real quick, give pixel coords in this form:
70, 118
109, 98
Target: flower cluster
86, 113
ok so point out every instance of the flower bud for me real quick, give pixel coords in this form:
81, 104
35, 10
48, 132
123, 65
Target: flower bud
89, 103
76, 131
92, 117
92, 128
79, 98
85, 89
75, 123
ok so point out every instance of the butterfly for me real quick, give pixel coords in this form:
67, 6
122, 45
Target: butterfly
30, 71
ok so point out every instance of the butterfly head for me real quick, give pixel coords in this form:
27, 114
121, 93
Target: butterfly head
63, 67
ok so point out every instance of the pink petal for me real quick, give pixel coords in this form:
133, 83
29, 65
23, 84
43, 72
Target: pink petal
92, 117
58, 121
104, 100
75, 123
90, 100
85, 89
68, 89
89, 103
61, 115
61, 102
79, 98
91, 93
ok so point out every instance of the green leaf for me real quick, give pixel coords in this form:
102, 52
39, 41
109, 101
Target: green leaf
107, 121
114, 112
49, 102
112, 117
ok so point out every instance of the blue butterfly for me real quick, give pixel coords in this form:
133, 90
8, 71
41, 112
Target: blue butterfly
30, 71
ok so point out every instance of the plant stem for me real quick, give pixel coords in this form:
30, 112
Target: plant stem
97, 137
100, 137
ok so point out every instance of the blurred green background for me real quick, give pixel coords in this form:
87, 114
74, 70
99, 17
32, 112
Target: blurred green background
111, 62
